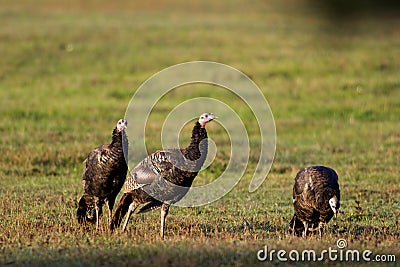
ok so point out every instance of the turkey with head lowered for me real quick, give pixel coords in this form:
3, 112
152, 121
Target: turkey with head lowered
316, 198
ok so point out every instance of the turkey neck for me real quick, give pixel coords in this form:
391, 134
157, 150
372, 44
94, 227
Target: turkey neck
197, 149
119, 139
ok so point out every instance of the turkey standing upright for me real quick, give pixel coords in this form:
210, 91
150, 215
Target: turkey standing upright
164, 177
316, 198
103, 176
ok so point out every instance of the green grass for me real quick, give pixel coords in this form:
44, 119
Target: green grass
68, 72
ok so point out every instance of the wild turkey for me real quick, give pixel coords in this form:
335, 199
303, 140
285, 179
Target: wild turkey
164, 177
103, 176
316, 198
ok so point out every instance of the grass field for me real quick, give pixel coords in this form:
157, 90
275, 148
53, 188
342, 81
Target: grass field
68, 71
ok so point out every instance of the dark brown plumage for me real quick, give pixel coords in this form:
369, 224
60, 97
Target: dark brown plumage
316, 198
103, 176
164, 177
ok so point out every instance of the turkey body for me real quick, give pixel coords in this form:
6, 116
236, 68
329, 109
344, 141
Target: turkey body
103, 176
316, 198
163, 177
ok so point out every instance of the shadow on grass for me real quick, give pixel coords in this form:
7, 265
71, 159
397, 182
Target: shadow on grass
363, 231
154, 254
